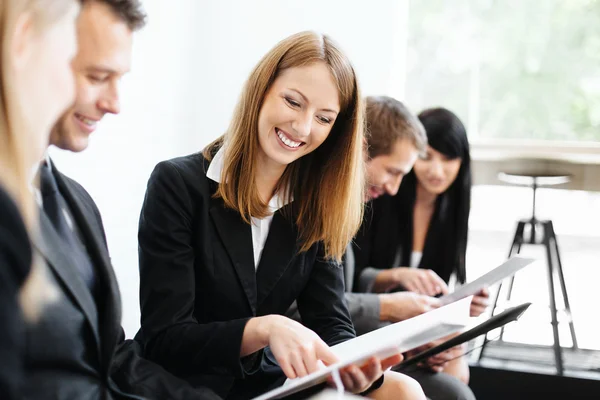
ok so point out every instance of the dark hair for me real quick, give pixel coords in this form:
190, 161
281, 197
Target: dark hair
388, 120
130, 11
446, 241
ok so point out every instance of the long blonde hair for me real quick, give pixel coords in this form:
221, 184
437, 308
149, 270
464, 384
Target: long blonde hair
17, 156
327, 185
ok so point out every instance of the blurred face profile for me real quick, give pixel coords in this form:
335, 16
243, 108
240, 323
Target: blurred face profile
385, 172
43, 80
297, 114
436, 172
103, 57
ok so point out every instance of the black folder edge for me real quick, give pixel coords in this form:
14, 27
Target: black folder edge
497, 321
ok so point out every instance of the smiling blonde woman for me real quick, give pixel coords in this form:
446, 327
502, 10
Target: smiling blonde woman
228, 239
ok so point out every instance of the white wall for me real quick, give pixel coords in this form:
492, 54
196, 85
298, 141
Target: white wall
189, 65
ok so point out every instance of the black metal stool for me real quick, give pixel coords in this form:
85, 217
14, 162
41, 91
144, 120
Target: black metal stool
540, 232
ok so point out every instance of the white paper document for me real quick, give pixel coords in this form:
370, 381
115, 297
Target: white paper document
508, 268
385, 342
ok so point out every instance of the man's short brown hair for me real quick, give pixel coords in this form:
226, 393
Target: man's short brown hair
130, 11
388, 120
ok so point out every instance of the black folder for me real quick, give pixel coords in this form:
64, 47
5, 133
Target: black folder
497, 321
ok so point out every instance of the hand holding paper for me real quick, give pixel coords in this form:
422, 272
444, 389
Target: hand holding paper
296, 348
418, 280
398, 306
438, 361
358, 379
481, 301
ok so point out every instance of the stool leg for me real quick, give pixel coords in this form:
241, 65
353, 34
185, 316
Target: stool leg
557, 348
517, 242
511, 282
563, 286
485, 342
515, 248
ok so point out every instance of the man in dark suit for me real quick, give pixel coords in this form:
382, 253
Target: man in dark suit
77, 350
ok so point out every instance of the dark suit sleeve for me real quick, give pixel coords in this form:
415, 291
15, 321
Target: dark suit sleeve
172, 335
322, 305
362, 247
15, 262
363, 309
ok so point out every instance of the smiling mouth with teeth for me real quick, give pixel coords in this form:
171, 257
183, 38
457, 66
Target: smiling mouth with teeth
87, 121
287, 141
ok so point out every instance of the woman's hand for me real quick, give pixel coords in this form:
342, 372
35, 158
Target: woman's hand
439, 361
358, 379
296, 348
418, 280
480, 302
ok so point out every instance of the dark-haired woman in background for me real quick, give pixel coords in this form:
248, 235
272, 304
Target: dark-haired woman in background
417, 240
434, 200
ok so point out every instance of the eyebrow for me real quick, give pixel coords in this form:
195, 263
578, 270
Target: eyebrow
306, 100
104, 70
101, 69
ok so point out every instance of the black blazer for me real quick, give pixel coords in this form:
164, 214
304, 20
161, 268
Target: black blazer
77, 350
376, 243
15, 263
386, 230
199, 286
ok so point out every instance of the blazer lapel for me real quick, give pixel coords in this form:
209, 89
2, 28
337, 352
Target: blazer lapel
280, 248
93, 235
236, 236
48, 242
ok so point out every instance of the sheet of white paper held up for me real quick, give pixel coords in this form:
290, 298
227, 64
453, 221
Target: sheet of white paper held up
506, 269
384, 342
